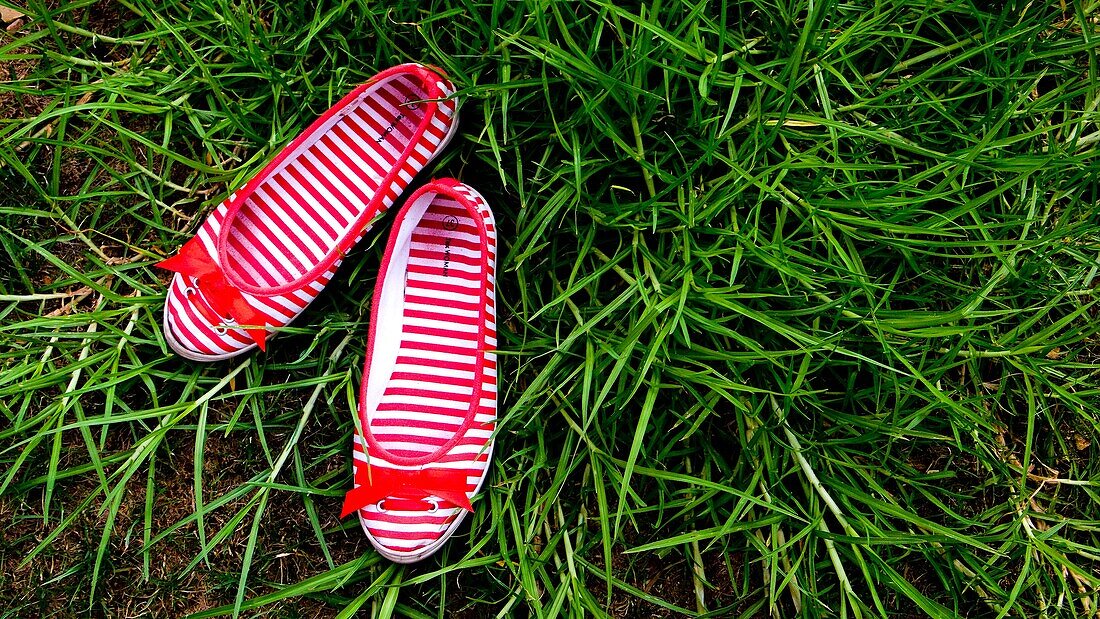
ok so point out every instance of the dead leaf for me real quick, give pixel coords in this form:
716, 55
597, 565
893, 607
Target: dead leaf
1082, 442
1055, 354
9, 15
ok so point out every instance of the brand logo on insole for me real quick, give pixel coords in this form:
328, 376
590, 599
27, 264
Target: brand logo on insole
410, 104
385, 134
450, 223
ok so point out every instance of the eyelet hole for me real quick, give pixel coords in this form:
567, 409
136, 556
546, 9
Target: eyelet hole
381, 505
221, 330
188, 291
434, 505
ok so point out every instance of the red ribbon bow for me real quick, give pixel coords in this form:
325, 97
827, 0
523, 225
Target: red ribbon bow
224, 298
377, 483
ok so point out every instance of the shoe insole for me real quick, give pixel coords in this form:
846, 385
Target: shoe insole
427, 397
297, 215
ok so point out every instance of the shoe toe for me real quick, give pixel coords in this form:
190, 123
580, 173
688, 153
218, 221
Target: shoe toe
189, 331
409, 536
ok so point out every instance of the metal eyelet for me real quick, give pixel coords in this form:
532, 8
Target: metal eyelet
381, 505
227, 324
190, 290
434, 506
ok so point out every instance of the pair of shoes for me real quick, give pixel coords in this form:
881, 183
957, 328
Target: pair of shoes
427, 407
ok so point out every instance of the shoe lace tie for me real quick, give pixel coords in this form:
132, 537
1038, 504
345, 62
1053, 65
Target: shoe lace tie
374, 484
224, 298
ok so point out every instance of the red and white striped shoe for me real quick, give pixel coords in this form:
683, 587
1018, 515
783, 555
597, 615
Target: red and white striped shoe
427, 407
266, 252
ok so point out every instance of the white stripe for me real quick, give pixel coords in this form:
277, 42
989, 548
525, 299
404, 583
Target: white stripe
459, 234
467, 449
305, 295
438, 123
446, 295
422, 150
400, 545
426, 387
413, 527
345, 199
443, 309
408, 446
441, 356
292, 309
439, 340
209, 243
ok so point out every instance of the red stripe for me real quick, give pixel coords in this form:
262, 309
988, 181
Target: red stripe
176, 310
204, 325
436, 348
437, 270
453, 457
427, 441
390, 518
353, 156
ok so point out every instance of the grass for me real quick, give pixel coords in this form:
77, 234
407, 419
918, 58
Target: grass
798, 311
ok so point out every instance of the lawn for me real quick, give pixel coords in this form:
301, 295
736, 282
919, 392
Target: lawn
798, 310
